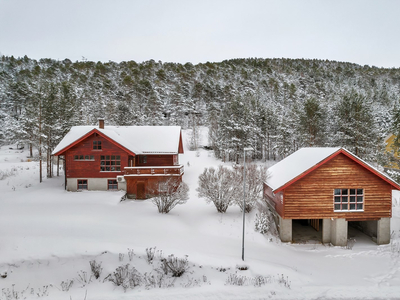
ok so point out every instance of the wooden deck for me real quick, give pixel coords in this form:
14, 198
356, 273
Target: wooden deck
155, 171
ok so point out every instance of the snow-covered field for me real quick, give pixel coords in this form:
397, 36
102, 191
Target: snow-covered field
48, 237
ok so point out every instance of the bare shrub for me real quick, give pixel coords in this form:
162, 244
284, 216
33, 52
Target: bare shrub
235, 279
258, 281
150, 254
125, 277
176, 266
83, 278
131, 254
121, 256
217, 186
350, 243
157, 280
66, 285
171, 193
7, 173
95, 268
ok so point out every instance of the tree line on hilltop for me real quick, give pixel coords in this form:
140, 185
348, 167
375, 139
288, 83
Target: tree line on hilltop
275, 106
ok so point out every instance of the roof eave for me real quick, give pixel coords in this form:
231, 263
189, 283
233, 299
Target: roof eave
85, 136
349, 155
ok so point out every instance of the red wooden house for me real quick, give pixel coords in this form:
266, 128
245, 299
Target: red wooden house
330, 188
138, 159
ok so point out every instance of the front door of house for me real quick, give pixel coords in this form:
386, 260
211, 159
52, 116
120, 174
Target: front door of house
140, 190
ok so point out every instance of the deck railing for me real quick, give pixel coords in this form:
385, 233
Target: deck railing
156, 171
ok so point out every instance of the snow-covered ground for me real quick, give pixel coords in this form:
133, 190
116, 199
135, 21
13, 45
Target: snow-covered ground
48, 237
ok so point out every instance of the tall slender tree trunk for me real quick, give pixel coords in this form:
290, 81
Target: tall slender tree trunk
58, 165
40, 141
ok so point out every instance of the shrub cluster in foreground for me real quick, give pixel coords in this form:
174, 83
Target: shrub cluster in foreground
162, 272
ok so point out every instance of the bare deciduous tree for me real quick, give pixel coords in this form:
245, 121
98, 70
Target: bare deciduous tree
216, 186
255, 176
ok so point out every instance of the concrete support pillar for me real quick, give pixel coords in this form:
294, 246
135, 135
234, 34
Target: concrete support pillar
383, 231
285, 229
339, 232
326, 230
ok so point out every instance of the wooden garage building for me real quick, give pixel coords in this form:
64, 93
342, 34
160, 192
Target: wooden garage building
330, 187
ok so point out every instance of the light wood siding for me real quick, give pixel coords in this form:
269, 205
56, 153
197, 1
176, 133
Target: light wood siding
274, 200
311, 197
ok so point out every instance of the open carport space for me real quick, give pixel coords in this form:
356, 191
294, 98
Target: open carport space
304, 233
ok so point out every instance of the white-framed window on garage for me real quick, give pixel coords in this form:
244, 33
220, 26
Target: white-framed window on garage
112, 184
348, 199
82, 184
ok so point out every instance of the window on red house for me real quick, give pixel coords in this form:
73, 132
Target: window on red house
110, 163
96, 145
112, 184
82, 184
84, 157
143, 159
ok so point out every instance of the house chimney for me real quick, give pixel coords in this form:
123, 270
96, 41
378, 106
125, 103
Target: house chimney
101, 123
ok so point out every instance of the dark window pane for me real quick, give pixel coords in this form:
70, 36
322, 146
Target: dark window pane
352, 206
107, 168
352, 191
352, 198
102, 169
81, 157
102, 157
86, 157
113, 163
108, 157
359, 191
118, 157
337, 206
359, 206
91, 157
113, 157
344, 199
112, 168
344, 191
344, 206
76, 157
337, 192
337, 199
359, 199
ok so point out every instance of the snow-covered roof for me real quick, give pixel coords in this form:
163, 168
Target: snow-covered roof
303, 160
296, 164
138, 139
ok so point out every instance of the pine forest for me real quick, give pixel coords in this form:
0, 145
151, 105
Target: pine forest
275, 106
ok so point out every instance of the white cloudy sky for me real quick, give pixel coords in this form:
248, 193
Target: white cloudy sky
359, 31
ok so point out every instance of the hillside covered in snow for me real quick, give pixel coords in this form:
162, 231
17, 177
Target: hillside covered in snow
52, 240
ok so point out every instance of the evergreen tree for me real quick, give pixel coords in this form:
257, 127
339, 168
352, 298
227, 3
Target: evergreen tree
396, 127
312, 122
355, 127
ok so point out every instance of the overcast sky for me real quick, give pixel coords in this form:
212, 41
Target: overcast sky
363, 32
